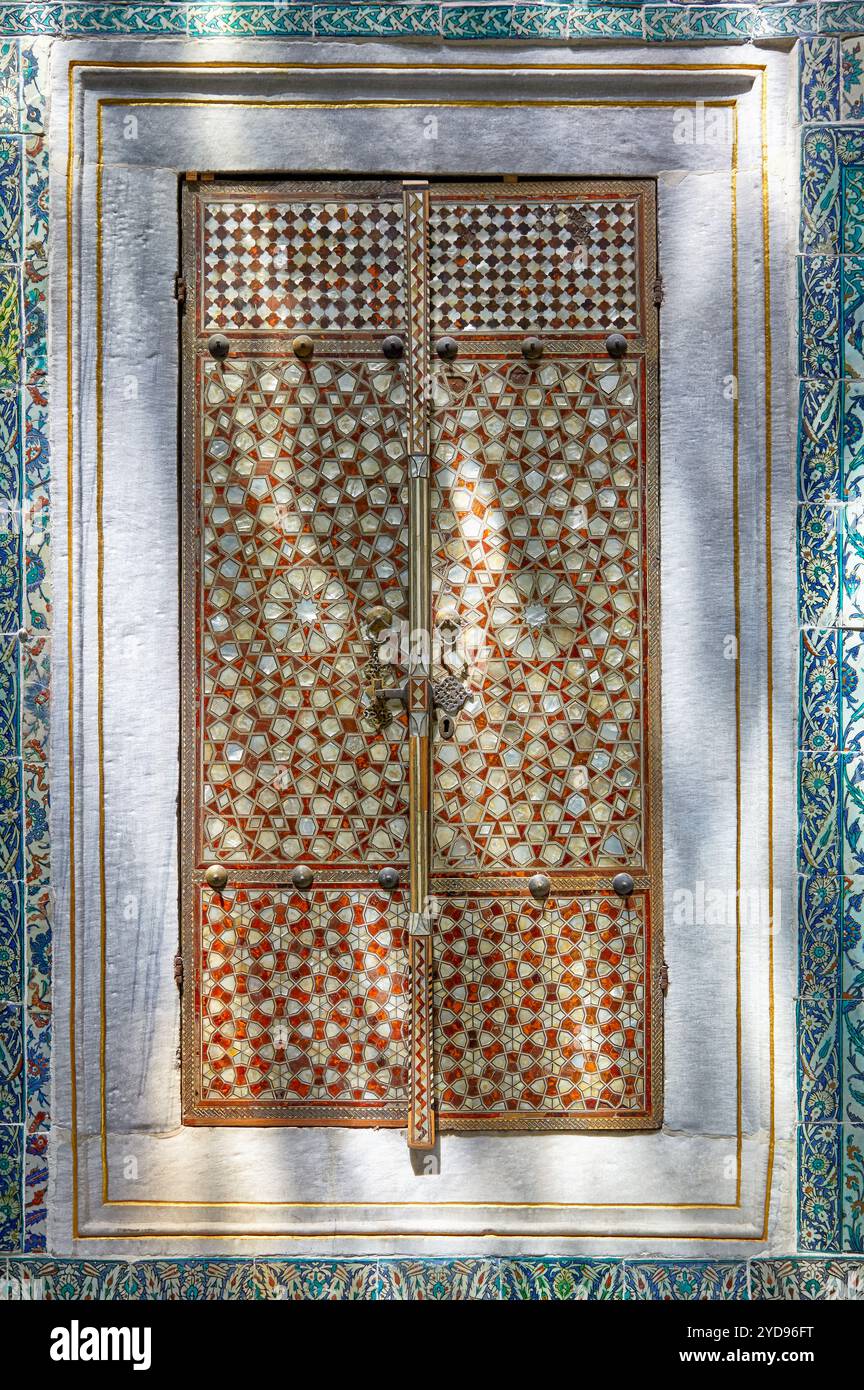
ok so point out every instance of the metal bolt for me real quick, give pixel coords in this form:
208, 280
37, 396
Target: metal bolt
532, 349
447, 348
303, 347
302, 878
539, 887
623, 885
218, 346
616, 345
216, 877
389, 878
393, 347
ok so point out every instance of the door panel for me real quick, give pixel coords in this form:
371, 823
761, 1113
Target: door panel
504, 501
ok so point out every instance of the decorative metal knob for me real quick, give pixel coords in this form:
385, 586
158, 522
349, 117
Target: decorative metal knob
616, 345
303, 347
539, 887
302, 878
389, 878
216, 877
623, 885
532, 349
218, 346
393, 347
447, 349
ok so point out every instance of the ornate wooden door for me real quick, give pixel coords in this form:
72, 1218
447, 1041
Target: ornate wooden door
420, 809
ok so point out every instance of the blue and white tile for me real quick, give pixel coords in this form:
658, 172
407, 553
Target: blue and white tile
11, 1178
819, 78
211, 20
853, 209
68, 1281
34, 86
851, 767
819, 478
548, 21
362, 20
852, 393
853, 317
192, 1280
818, 565
819, 817
819, 718
12, 1064
10, 85
561, 1280
686, 1280
852, 1050
38, 1070
821, 192
851, 518
819, 347
36, 1151
35, 696
37, 546
804, 1279
10, 454
852, 969
11, 848
853, 1205
819, 1160
820, 898
36, 459
819, 1099
851, 651
10, 683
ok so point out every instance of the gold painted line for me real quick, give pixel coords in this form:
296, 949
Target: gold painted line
407, 103
104, 1169
70, 574
83, 64
538, 1234
100, 684
736, 569
769, 654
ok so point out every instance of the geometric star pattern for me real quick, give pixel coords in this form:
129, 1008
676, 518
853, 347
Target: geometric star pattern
306, 1000
303, 531
536, 266
537, 521
539, 1009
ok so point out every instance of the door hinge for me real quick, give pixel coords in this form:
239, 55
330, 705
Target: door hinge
664, 979
178, 972
180, 290
657, 291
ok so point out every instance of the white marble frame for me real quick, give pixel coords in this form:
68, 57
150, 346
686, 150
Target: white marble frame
183, 1190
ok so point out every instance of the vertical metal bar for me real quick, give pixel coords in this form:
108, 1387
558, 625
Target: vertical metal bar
421, 1116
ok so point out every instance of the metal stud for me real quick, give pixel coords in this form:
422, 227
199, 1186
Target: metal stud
218, 346
539, 887
302, 877
389, 878
303, 347
616, 345
393, 347
447, 349
623, 885
532, 349
216, 877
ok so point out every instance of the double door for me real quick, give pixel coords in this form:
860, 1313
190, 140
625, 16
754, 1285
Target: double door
420, 814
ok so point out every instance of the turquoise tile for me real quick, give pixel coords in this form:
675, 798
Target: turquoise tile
604, 21
362, 20
853, 439
11, 846
125, 19
11, 942
10, 326
37, 548
853, 317
539, 22
819, 1222
852, 564
819, 79
852, 1046
851, 770
851, 648
58, 1280
820, 310
853, 210
31, 19
819, 1098
821, 192
476, 21
262, 21
11, 237
777, 21
805, 1278
735, 23
819, 565
10, 91
841, 17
